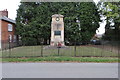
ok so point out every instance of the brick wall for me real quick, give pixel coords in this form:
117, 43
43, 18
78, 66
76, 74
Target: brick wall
6, 33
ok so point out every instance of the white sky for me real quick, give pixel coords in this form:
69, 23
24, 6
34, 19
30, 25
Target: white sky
13, 5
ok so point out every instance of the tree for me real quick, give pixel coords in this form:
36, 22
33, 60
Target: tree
34, 21
111, 10
89, 18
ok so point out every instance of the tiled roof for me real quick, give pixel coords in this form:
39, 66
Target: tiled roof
7, 19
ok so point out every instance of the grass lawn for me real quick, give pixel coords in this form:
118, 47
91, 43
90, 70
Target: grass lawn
63, 59
85, 51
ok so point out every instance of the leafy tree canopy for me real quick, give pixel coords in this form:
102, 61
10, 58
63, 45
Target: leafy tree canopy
111, 10
34, 20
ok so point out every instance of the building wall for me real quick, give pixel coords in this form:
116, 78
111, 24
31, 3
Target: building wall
5, 33
0, 36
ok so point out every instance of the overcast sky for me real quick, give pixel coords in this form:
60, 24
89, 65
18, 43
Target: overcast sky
13, 5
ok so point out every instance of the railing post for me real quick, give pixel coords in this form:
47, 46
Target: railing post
9, 49
58, 51
41, 50
75, 49
59, 46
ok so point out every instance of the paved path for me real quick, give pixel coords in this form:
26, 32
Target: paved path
60, 70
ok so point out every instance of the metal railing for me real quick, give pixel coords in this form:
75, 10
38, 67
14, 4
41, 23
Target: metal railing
106, 49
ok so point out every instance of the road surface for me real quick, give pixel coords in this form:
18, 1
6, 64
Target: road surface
60, 70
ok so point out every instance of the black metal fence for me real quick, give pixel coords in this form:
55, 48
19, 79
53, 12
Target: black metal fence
106, 49
7, 45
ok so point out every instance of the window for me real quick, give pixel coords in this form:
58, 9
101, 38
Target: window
57, 32
10, 27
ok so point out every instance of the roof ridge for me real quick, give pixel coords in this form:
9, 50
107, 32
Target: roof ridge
8, 19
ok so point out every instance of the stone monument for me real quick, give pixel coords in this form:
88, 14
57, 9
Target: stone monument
57, 30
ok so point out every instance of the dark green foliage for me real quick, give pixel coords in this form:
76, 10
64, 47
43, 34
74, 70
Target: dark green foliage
34, 21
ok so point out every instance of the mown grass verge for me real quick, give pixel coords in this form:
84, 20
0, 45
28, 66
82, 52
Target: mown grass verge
63, 59
24, 51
